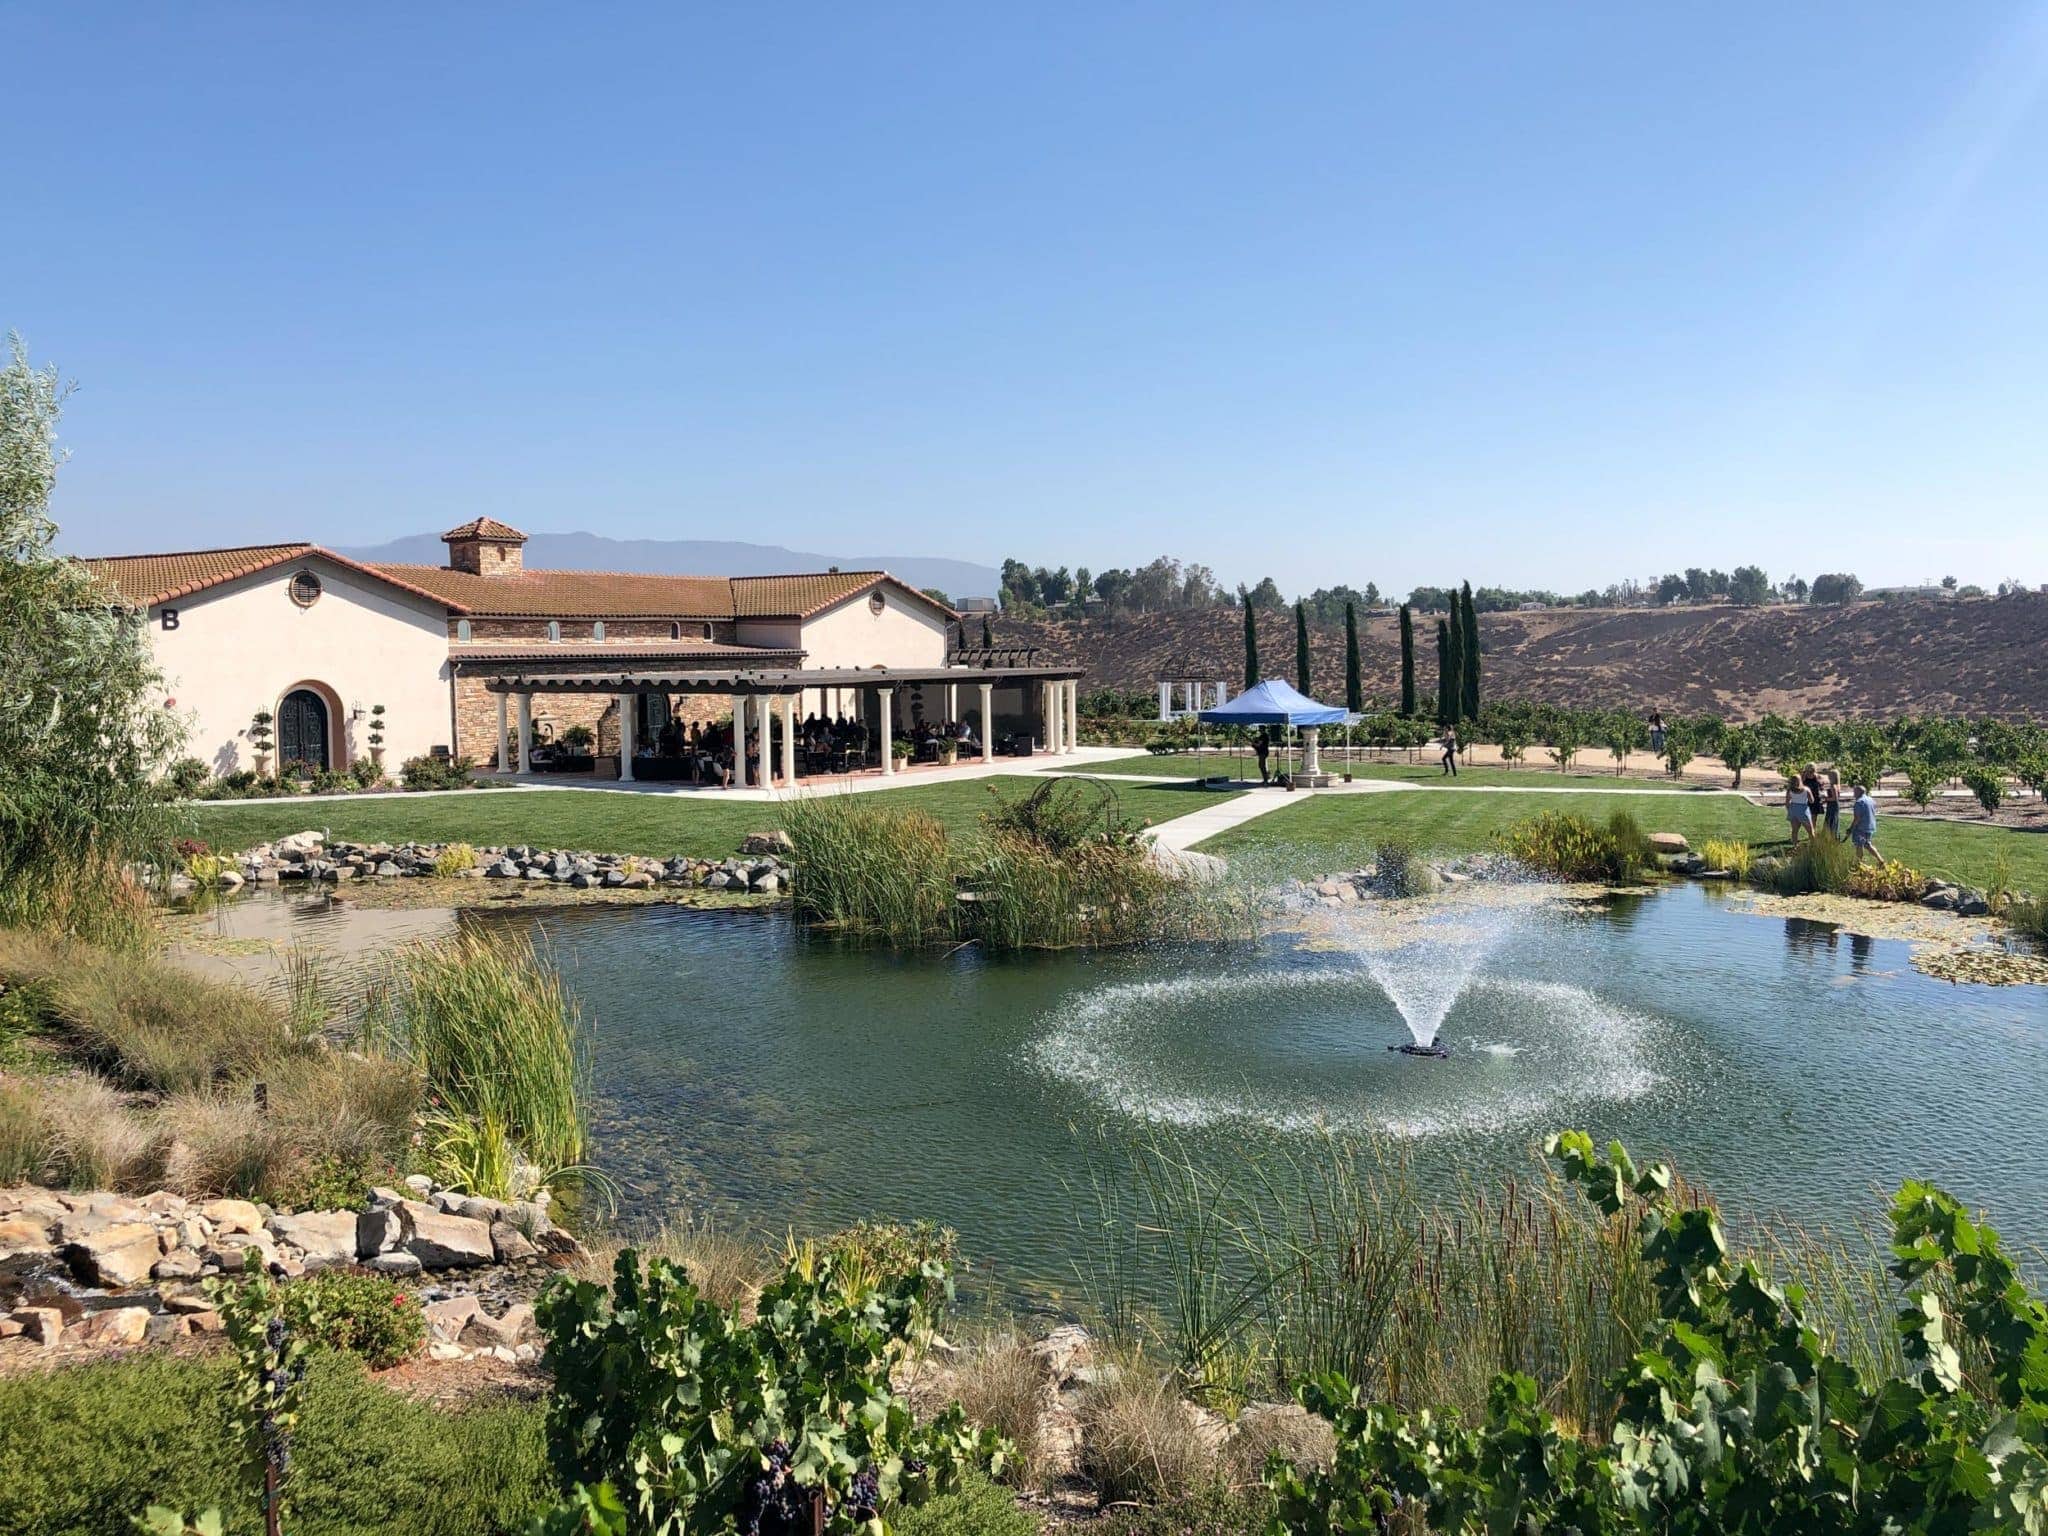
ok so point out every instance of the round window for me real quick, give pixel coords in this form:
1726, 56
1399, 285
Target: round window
305, 589
876, 602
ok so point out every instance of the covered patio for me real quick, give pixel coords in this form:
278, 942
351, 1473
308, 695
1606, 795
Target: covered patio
787, 724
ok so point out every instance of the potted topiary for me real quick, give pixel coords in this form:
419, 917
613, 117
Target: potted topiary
377, 734
260, 740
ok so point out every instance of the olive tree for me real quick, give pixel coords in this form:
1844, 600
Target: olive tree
83, 724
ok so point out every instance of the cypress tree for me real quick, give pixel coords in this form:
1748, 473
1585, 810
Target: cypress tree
1407, 662
1251, 642
1454, 685
1469, 683
988, 639
1301, 677
1354, 687
1444, 694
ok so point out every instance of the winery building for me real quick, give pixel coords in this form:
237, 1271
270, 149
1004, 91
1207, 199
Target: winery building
486, 659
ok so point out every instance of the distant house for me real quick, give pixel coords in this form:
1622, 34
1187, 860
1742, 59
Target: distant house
977, 605
1899, 594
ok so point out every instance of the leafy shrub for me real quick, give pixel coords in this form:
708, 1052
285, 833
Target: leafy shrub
454, 859
979, 1508
186, 777
367, 772
1572, 848
1735, 1414
1731, 854
1886, 881
1987, 784
704, 1422
578, 738
90, 1446
1213, 1511
368, 1316
1923, 782
436, 772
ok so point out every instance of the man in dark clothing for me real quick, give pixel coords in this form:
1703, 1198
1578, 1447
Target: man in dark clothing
1262, 745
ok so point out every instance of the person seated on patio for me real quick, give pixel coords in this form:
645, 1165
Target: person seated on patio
963, 733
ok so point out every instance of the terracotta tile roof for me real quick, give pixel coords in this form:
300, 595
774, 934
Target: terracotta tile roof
150, 579
763, 597
574, 594
485, 528
147, 580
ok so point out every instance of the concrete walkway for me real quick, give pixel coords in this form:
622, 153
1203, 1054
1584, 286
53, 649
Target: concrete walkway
1183, 832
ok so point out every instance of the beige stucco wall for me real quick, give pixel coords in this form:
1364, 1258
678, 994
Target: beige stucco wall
908, 632
241, 647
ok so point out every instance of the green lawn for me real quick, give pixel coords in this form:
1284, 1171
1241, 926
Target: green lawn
1428, 771
1330, 831
701, 826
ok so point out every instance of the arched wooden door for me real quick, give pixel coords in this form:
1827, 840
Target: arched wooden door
302, 730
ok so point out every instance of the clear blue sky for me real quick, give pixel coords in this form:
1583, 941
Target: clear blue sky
1531, 294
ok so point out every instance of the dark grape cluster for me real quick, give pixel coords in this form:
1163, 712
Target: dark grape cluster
863, 1499
775, 1505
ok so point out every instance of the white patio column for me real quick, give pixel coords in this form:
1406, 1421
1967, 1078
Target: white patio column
626, 742
988, 724
1073, 713
789, 741
1222, 694
952, 703
739, 741
504, 734
1165, 702
526, 733
763, 760
1311, 753
1049, 719
888, 697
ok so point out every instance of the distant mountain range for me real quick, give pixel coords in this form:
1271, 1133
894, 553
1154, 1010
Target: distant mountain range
697, 557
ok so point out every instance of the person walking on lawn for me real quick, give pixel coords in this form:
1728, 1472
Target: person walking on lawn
1451, 750
1863, 824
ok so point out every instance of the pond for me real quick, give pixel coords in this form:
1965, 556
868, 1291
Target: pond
770, 1079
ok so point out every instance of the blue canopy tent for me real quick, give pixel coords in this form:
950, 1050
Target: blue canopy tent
1276, 703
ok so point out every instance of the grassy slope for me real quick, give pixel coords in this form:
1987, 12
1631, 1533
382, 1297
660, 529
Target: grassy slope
702, 826
1424, 772
1333, 830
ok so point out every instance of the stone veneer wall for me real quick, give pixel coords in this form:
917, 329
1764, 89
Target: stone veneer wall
476, 708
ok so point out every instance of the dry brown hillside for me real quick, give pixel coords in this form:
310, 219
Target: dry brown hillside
1978, 657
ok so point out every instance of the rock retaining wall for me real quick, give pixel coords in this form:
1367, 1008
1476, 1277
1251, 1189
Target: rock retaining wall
102, 1269
762, 866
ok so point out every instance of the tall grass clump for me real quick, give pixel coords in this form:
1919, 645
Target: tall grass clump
1822, 863
1057, 868
1247, 1276
1732, 855
1570, 847
499, 1048
143, 1021
871, 870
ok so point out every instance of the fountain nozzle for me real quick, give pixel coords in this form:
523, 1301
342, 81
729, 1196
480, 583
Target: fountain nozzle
1433, 1051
